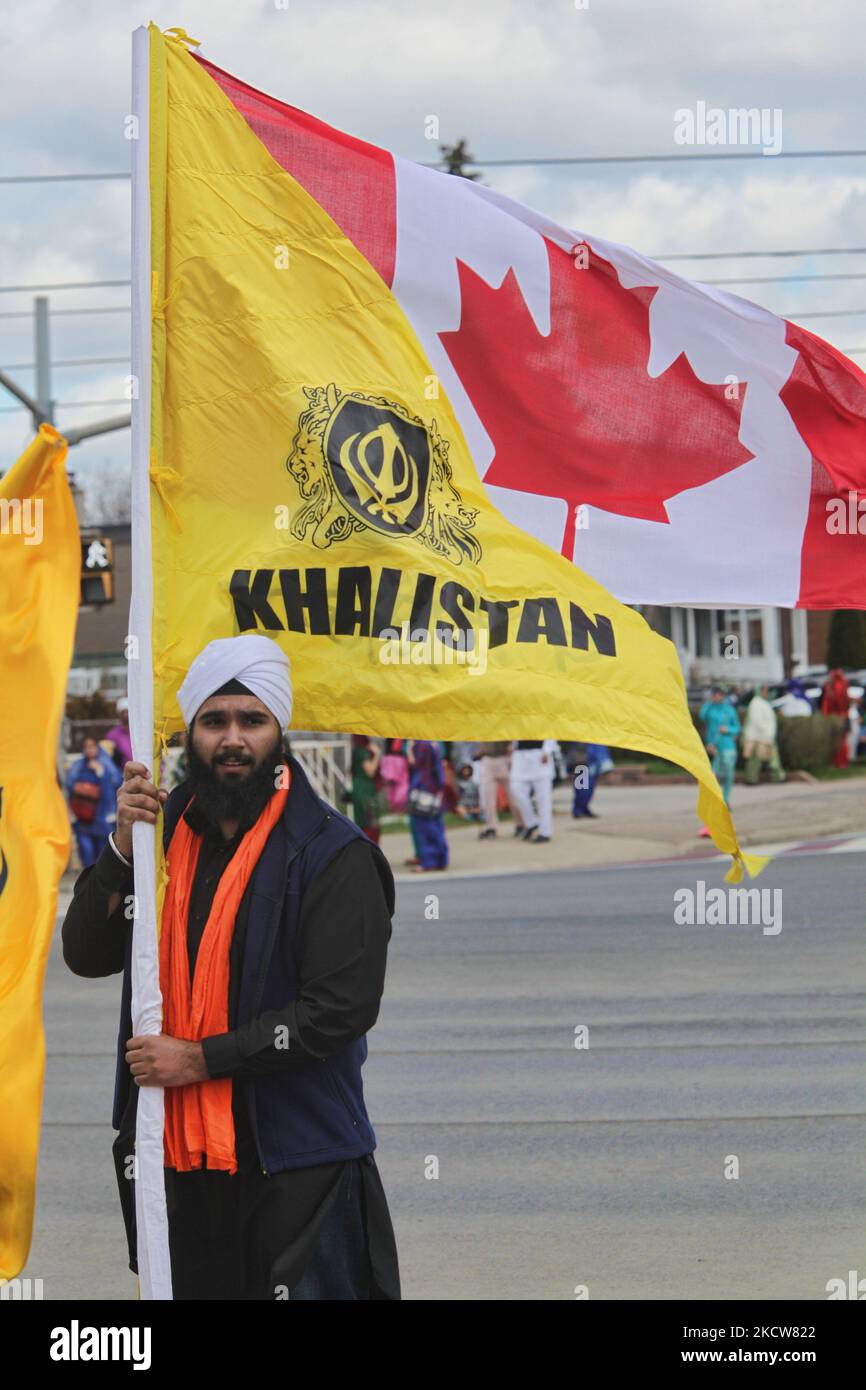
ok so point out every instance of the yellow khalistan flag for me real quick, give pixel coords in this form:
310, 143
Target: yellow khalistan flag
40, 566
304, 484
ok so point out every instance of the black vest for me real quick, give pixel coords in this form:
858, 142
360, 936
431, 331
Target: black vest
311, 1113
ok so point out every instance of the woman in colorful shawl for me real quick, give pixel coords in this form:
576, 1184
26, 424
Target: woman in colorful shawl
95, 815
426, 783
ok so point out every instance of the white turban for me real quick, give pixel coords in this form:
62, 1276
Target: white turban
256, 661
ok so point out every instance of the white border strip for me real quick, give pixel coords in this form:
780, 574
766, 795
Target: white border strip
154, 1265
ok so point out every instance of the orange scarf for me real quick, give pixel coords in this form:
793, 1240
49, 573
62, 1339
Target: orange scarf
198, 1117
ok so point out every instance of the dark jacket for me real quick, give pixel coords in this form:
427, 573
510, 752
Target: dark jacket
312, 1110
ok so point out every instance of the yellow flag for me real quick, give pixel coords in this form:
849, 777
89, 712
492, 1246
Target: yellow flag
305, 483
40, 565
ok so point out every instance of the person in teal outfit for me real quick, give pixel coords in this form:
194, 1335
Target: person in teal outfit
721, 727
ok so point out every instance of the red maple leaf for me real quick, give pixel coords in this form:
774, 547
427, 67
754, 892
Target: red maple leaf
575, 414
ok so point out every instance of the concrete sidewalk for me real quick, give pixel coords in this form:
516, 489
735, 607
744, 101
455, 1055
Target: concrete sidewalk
637, 823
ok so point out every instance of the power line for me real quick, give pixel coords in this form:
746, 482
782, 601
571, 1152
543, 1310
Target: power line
780, 313
817, 314
743, 255
57, 178
671, 256
738, 280
68, 362
67, 285
780, 279
66, 405
65, 313
529, 160
659, 158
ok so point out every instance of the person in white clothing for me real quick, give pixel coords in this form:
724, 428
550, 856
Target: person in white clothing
794, 704
759, 739
532, 771
855, 723
494, 760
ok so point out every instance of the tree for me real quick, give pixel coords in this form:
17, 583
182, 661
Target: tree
455, 158
106, 494
846, 644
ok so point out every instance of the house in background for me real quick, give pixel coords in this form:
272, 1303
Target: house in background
741, 646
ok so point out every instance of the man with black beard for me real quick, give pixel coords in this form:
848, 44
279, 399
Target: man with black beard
272, 1191
242, 799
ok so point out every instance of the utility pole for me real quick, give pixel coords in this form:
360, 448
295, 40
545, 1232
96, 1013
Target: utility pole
41, 406
42, 358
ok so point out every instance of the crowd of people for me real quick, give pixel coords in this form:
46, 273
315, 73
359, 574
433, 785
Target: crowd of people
759, 730
481, 783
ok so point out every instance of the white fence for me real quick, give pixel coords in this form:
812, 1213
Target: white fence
327, 763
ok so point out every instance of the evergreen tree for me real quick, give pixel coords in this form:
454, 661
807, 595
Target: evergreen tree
846, 644
455, 158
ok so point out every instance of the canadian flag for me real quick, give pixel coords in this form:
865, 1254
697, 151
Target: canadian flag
679, 444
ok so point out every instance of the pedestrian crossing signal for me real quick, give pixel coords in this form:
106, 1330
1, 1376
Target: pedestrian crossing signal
97, 570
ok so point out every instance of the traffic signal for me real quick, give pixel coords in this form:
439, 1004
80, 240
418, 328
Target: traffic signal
97, 570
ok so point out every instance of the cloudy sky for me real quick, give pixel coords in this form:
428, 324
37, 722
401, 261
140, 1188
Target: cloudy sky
516, 78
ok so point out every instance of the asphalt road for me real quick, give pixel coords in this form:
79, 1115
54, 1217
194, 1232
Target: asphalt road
562, 1167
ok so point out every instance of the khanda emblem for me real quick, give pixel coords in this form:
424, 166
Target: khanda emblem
380, 464
365, 462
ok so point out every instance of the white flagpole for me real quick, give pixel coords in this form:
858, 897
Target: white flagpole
154, 1266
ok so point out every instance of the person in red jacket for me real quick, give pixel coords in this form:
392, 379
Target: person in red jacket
836, 700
